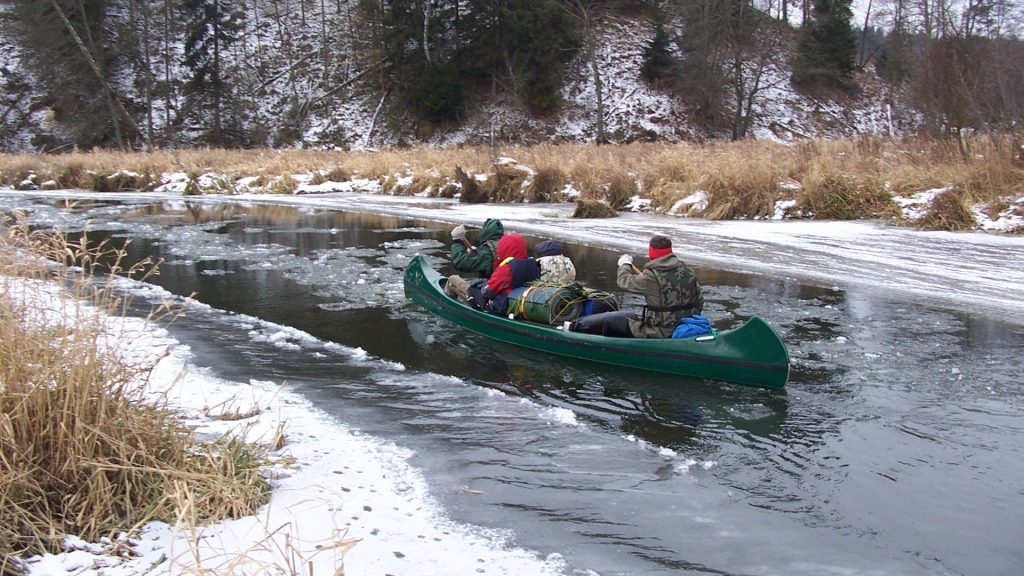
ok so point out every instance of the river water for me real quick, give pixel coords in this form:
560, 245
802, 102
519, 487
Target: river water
896, 448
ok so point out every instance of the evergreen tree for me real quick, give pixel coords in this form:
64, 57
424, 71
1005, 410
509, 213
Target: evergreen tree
658, 60
416, 41
541, 38
827, 48
437, 94
702, 76
521, 43
212, 26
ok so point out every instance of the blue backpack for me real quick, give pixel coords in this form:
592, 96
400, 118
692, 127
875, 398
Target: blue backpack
696, 325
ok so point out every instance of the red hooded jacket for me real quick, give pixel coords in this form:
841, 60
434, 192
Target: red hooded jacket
512, 268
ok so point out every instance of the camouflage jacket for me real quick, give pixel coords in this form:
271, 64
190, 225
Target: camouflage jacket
671, 291
557, 269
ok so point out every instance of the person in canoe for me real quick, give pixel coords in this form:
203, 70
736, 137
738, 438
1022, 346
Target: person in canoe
514, 270
472, 260
555, 267
670, 290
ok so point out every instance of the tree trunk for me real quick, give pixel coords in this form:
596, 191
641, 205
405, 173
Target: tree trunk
216, 80
863, 36
146, 34
258, 33
169, 99
599, 89
323, 39
112, 103
426, 32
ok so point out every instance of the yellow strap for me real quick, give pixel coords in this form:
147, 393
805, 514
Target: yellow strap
522, 301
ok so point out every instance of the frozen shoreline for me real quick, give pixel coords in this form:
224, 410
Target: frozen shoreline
331, 485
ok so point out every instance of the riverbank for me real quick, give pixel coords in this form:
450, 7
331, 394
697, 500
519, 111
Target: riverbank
341, 502
918, 183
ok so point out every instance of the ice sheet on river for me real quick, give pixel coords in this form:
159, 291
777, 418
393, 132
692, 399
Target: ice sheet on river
977, 271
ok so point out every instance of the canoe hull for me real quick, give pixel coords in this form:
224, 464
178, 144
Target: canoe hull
751, 355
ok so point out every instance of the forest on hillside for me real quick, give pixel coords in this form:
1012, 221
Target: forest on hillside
140, 74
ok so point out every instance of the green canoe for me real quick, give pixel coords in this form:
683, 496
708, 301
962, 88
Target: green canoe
752, 355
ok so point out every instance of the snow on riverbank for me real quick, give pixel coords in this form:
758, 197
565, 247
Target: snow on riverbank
340, 499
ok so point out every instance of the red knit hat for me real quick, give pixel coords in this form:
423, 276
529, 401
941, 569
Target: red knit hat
660, 246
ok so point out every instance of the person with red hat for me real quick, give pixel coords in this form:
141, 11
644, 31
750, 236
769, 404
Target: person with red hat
513, 268
670, 290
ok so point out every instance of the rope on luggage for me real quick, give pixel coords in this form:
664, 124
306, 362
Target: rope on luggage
566, 296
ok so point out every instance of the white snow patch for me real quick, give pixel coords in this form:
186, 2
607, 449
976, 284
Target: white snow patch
354, 488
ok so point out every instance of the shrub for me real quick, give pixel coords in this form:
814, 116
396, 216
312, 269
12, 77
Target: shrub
507, 182
471, 190
192, 186
120, 181
417, 184
285, 184
336, 174
620, 190
586, 208
839, 196
948, 211
545, 184
740, 190
72, 175
84, 451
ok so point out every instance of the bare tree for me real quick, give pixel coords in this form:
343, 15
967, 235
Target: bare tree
966, 75
87, 48
589, 13
754, 43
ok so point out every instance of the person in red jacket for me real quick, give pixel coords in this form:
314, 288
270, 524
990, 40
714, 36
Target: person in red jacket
512, 269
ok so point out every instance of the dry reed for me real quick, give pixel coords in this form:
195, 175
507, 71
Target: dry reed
849, 179
82, 449
948, 211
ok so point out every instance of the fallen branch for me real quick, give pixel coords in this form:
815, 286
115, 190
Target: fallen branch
334, 90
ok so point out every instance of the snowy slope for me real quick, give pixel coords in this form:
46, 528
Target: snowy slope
293, 98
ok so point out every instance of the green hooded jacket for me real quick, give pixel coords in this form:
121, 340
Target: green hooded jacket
479, 258
665, 282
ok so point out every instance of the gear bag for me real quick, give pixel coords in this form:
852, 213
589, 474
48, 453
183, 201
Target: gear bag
553, 304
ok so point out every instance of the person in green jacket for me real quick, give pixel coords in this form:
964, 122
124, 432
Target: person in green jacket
671, 292
469, 259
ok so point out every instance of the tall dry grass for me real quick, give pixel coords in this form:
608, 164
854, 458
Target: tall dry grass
82, 449
847, 179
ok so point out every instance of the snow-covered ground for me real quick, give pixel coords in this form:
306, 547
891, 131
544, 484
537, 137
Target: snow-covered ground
384, 506
381, 521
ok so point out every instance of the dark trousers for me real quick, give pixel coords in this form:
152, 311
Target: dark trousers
614, 324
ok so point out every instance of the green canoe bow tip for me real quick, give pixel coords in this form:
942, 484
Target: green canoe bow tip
751, 355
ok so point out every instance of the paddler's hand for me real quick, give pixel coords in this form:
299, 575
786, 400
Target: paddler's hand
625, 260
